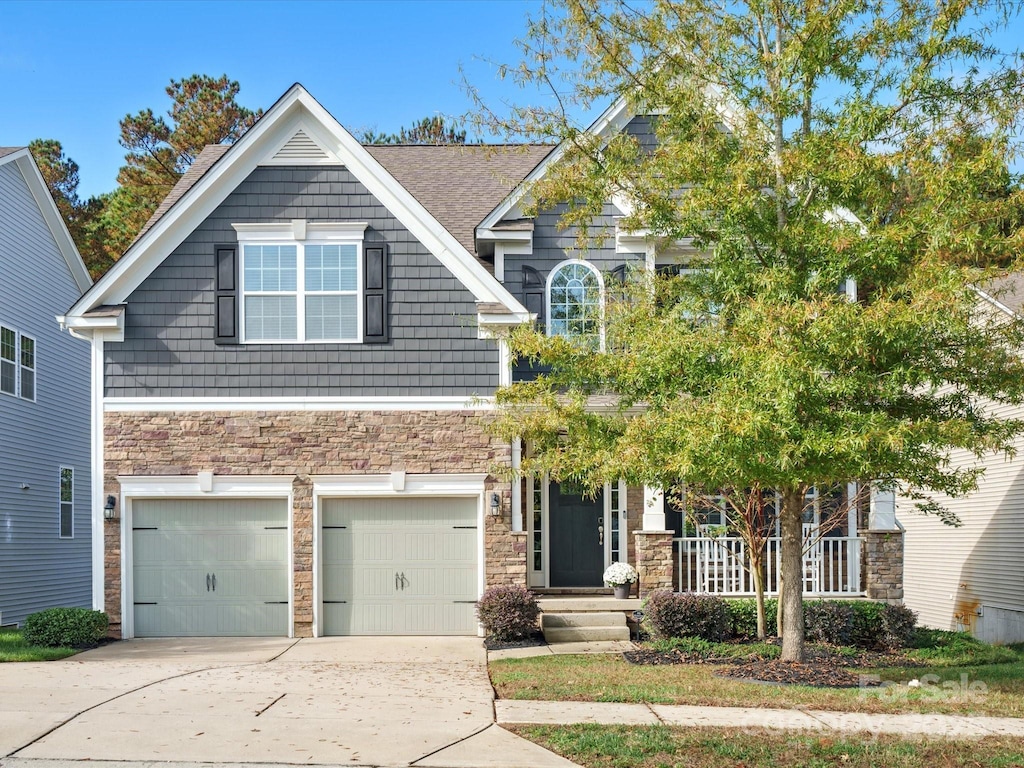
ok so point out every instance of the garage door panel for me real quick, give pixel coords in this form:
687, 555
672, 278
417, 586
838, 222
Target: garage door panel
368, 545
205, 567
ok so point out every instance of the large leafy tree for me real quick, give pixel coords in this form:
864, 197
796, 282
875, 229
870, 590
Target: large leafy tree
799, 144
204, 110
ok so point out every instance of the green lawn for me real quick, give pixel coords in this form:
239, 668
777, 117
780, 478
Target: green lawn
961, 679
14, 648
659, 746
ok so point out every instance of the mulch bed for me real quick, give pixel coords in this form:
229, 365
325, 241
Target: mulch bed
824, 667
535, 639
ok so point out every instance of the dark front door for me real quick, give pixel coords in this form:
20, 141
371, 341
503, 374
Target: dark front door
577, 537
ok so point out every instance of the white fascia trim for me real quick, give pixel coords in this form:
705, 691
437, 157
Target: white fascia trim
51, 216
111, 328
612, 119
505, 235
294, 110
300, 229
398, 403
382, 485
179, 486
995, 302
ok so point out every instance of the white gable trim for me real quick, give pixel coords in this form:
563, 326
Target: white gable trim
295, 110
612, 120
54, 221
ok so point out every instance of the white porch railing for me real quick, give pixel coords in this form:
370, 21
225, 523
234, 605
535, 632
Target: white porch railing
720, 566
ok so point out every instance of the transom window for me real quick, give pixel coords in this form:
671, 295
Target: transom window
301, 288
17, 364
575, 302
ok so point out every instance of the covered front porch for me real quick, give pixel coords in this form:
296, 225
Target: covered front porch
571, 537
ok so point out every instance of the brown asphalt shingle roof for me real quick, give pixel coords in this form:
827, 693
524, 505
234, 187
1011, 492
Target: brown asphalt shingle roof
458, 185
4, 151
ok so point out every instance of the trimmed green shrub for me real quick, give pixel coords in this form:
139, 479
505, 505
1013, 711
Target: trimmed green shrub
670, 614
65, 627
508, 613
829, 621
896, 626
867, 622
743, 616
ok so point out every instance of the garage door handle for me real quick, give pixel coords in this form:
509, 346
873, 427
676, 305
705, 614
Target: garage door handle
207, 582
215, 582
396, 581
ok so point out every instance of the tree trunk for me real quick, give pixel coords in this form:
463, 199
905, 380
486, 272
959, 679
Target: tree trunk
791, 597
762, 629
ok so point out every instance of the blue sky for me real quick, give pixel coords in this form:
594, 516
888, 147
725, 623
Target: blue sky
71, 70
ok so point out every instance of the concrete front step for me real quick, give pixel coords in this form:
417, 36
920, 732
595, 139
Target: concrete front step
585, 634
588, 604
592, 619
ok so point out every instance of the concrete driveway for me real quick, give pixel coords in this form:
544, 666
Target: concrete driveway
340, 701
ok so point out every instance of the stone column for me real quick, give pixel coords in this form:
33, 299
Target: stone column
654, 561
882, 565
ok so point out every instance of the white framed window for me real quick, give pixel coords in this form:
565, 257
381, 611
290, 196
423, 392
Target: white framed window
575, 302
301, 282
66, 506
17, 364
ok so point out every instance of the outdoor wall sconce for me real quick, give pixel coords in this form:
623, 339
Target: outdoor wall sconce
495, 503
108, 508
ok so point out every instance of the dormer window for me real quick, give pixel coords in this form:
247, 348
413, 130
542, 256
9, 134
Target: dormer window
575, 302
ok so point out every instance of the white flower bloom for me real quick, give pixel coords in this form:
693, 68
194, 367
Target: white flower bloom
620, 573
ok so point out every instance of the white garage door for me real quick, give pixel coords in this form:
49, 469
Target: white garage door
399, 566
210, 567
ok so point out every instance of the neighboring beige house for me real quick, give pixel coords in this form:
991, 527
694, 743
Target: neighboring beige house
971, 578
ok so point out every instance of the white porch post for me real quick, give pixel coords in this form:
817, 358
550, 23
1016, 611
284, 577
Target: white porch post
654, 509
517, 500
882, 514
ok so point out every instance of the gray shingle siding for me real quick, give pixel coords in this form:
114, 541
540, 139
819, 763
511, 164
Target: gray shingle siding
641, 127
169, 349
38, 569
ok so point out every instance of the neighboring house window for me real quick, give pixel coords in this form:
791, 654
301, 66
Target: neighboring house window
575, 302
17, 364
67, 503
306, 289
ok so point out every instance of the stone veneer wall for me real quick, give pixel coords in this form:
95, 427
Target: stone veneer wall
883, 565
300, 444
654, 560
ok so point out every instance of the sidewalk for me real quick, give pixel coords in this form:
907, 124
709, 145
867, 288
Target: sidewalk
509, 712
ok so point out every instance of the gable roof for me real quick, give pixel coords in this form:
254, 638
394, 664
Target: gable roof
458, 185
22, 158
199, 196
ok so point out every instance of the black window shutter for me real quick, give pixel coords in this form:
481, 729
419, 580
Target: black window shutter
533, 293
375, 294
227, 295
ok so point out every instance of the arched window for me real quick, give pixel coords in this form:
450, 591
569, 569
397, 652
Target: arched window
575, 301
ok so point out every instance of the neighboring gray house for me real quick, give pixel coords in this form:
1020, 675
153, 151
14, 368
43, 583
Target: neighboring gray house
293, 364
46, 527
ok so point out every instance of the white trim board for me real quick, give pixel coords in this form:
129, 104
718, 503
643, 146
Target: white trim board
396, 403
295, 110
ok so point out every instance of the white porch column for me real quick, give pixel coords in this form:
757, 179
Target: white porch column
882, 514
654, 509
517, 486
